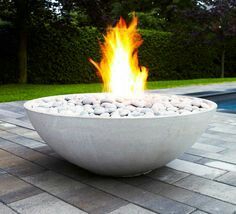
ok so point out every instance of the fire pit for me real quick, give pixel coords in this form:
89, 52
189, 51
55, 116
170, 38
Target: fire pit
125, 132
123, 143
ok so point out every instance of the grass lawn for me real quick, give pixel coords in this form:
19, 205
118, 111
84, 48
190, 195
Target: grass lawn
13, 92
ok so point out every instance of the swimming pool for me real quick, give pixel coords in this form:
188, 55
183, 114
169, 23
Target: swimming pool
227, 105
226, 101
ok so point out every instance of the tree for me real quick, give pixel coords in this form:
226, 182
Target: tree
23, 14
21, 21
97, 11
222, 23
206, 21
150, 20
107, 12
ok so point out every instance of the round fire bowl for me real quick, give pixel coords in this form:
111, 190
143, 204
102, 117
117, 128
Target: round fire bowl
119, 146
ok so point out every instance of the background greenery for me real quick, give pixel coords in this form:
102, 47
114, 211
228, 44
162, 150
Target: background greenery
62, 57
50, 42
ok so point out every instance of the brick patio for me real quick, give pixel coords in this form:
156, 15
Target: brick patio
34, 179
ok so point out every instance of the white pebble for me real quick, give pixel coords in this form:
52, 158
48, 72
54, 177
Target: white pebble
99, 110
124, 112
130, 108
110, 110
119, 99
46, 100
42, 109
115, 114
194, 108
105, 106
105, 115
135, 114
106, 100
148, 104
196, 103
89, 100
78, 109
171, 113
119, 105
157, 107
160, 106
108, 105
88, 108
45, 104
179, 105
172, 108
53, 110
149, 114
138, 103
184, 112
188, 108
204, 105
146, 110
71, 104
67, 98
56, 104
167, 104
96, 105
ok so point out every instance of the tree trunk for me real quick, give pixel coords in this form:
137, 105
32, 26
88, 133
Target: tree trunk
22, 57
223, 64
22, 11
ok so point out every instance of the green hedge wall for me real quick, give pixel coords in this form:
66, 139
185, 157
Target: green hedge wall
61, 56
169, 57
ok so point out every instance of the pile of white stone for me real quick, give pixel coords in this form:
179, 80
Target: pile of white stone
106, 105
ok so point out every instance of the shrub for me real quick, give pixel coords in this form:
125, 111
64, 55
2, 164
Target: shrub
170, 57
61, 56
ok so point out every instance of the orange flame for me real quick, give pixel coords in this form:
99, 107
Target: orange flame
119, 68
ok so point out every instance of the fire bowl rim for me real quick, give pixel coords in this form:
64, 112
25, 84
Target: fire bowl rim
27, 104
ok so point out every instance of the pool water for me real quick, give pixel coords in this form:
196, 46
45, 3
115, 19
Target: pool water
227, 104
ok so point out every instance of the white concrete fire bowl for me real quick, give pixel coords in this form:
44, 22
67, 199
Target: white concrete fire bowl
120, 144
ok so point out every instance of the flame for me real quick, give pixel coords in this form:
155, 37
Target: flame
119, 67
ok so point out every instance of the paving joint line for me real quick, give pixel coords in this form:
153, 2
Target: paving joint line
205, 194
43, 191
82, 181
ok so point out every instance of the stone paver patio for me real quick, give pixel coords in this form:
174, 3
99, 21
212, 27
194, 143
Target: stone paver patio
34, 179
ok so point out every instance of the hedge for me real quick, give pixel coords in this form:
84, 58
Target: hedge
170, 57
61, 56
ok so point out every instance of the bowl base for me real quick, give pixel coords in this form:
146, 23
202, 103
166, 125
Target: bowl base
136, 175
